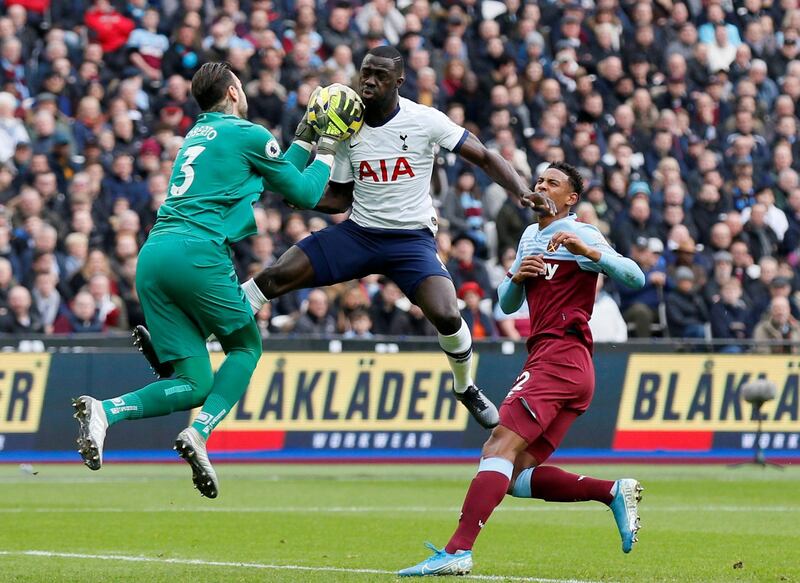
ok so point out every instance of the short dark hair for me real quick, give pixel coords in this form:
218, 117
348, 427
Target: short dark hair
358, 313
575, 178
391, 53
210, 84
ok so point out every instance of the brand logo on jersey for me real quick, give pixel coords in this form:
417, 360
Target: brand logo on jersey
272, 149
382, 173
405, 146
550, 270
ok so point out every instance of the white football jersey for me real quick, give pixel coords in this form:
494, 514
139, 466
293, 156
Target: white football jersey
391, 167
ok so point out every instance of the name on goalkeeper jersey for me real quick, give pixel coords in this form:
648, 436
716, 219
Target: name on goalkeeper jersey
207, 132
321, 391
695, 392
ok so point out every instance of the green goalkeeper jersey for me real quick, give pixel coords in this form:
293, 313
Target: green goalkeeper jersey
219, 174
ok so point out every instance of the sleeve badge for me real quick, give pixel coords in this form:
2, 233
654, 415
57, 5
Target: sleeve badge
272, 149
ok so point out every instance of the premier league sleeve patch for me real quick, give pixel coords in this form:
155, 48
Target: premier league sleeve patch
272, 149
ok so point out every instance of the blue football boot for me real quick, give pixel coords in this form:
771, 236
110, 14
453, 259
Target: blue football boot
625, 507
441, 563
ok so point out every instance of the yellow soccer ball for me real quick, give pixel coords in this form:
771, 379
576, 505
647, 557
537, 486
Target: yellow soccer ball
336, 111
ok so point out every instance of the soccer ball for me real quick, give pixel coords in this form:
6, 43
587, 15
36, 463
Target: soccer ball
322, 110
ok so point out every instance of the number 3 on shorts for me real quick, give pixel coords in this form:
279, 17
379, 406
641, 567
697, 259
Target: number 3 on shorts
519, 383
190, 155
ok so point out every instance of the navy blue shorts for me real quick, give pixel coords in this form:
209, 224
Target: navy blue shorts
348, 251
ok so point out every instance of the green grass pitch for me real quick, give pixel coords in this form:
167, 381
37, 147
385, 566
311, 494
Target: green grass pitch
359, 523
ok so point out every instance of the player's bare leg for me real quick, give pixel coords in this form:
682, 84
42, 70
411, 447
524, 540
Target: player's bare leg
532, 480
292, 271
436, 296
487, 490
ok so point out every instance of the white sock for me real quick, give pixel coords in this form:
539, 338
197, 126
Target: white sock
254, 295
458, 348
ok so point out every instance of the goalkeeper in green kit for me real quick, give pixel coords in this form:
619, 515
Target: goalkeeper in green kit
185, 277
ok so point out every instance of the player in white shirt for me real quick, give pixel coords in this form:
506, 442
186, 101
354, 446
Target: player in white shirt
384, 173
389, 167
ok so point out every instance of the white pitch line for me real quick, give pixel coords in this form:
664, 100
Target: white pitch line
142, 559
368, 509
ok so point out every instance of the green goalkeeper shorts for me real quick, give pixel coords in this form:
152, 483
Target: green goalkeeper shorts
188, 290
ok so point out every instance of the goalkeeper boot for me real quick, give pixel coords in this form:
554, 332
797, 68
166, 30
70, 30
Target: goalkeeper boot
142, 341
481, 408
625, 506
93, 424
192, 448
440, 563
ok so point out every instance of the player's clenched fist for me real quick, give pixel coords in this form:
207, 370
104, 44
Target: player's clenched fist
531, 266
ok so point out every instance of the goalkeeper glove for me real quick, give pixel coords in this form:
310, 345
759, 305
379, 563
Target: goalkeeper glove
333, 125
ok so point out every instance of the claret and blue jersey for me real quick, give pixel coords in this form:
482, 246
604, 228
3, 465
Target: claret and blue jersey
561, 300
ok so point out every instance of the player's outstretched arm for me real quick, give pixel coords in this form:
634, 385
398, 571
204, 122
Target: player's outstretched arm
620, 269
337, 199
499, 170
303, 189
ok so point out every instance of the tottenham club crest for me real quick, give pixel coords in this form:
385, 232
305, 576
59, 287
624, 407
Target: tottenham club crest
272, 149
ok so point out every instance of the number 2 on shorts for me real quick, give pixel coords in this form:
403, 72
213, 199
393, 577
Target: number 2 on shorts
519, 383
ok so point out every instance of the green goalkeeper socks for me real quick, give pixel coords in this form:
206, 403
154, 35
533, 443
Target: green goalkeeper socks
187, 390
195, 385
243, 349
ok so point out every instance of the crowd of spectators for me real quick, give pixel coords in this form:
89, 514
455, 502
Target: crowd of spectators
681, 115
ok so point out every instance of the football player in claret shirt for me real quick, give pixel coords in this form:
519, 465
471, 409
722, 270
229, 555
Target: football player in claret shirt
185, 277
556, 270
384, 172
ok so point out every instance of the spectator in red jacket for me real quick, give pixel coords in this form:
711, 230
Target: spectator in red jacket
479, 323
111, 29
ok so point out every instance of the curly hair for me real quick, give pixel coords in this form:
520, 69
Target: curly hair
575, 179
